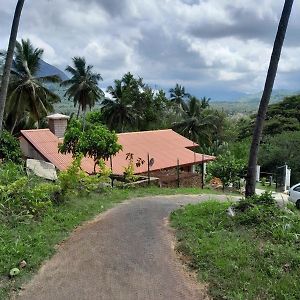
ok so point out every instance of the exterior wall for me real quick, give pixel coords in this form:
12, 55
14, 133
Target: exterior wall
58, 126
28, 151
168, 178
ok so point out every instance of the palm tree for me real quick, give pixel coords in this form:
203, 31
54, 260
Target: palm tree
9, 59
205, 102
178, 96
262, 111
196, 124
26, 91
118, 112
83, 86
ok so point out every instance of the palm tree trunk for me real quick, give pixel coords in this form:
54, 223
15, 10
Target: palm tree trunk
9, 59
14, 125
261, 115
84, 115
78, 111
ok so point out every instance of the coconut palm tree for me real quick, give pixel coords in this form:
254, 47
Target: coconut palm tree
262, 111
26, 91
179, 96
204, 102
118, 112
9, 59
196, 124
83, 86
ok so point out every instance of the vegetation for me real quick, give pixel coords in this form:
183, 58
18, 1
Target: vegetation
229, 169
95, 141
29, 101
9, 148
83, 86
253, 255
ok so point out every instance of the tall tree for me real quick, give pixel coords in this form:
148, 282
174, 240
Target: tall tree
9, 59
83, 86
27, 92
118, 112
178, 95
196, 123
261, 115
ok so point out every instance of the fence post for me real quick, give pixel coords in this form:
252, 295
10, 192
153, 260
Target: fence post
178, 183
111, 168
148, 159
202, 172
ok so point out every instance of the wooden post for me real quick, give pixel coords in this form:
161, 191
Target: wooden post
202, 173
178, 178
148, 158
111, 168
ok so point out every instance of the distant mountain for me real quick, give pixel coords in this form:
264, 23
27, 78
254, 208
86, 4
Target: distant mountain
249, 103
49, 70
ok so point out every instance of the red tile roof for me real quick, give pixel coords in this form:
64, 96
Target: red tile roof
164, 146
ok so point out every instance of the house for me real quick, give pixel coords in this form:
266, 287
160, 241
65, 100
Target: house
165, 148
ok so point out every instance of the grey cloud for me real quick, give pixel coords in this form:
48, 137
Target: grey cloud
150, 38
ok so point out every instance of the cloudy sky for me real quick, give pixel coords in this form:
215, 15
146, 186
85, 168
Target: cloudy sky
215, 48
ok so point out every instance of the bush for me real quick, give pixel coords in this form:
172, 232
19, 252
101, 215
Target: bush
25, 199
77, 181
9, 148
10, 172
264, 215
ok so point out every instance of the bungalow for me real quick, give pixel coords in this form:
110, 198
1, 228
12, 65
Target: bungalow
166, 148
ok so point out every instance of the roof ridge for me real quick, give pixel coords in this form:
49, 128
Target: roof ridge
40, 129
145, 131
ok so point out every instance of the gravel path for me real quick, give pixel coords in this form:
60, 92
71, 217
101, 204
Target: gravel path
125, 253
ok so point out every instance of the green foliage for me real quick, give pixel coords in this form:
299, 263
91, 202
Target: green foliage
95, 141
24, 199
71, 138
9, 148
29, 100
75, 180
280, 149
99, 143
254, 255
281, 117
227, 168
83, 86
10, 172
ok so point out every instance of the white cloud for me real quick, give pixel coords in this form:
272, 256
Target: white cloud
217, 45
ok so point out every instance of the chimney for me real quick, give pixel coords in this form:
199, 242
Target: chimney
58, 124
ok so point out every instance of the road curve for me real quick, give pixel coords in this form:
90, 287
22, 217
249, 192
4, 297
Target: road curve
125, 253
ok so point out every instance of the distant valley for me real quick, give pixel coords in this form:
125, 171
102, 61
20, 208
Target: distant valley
244, 105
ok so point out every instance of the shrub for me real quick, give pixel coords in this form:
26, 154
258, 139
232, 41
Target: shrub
25, 199
9, 148
264, 215
77, 181
9, 172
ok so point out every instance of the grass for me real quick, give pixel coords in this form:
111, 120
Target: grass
34, 241
255, 255
266, 187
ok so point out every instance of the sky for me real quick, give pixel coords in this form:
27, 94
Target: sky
215, 48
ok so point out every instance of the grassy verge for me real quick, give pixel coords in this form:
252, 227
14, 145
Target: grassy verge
255, 255
266, 187
34, 241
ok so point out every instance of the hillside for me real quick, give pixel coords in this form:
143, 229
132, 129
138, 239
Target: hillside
249, 103
49, 70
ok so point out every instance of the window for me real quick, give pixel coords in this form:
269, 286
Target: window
297, 188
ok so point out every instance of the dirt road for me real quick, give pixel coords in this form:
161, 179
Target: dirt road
125, 253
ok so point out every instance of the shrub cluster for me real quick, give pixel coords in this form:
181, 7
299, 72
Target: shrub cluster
263, 214
24, 197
